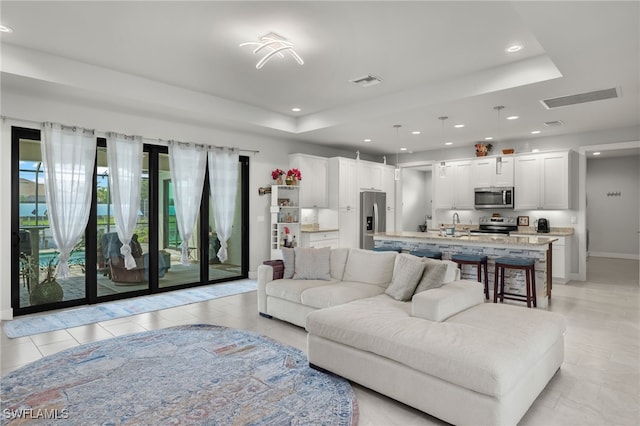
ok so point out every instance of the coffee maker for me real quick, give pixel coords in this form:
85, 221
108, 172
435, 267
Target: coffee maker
543, 225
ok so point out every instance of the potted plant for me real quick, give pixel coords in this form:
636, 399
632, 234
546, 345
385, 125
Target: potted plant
482, 149
48, 290
293, 176
277, 176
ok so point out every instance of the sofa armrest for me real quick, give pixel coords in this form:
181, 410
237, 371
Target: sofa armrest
265, 275
440, 303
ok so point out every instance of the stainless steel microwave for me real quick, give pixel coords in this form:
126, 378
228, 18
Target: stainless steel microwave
494, 198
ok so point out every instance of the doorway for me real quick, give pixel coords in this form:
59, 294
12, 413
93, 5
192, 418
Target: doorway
416, 197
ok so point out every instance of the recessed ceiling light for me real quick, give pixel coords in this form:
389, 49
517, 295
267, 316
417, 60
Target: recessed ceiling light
513, 117
367, 140
596, 153
296, 109
448, 143
403, 149
535, 132
514, 48
4, 29
488, 138
415, 132
535, 150
459, 126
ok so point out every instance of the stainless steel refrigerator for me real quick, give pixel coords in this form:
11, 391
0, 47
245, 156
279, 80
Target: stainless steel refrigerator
373, 216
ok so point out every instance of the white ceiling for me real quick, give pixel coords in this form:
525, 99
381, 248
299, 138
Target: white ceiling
435, 58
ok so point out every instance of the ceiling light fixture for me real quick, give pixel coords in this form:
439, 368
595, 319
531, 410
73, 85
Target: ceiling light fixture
415, 132
403, 149
535, 132
275, 45
296, 109
4, 29
448, 143
596, 153
499, 159
443, 164
459, 126
488, 138
514, 48
513, 117
367, 140
396, 171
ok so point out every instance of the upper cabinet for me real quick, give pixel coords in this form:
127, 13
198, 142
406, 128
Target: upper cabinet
485, 172
343, 189
454, 185
370, 175
542, 181
315, 170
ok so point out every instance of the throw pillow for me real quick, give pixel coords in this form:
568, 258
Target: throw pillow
288, 257
312, 263
406, 274
433, 276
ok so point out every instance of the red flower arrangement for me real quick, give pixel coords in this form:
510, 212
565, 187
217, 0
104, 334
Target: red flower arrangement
295, 174
276, 173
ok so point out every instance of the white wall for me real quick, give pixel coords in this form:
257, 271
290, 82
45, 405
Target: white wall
273, 153
613, 221
415, 204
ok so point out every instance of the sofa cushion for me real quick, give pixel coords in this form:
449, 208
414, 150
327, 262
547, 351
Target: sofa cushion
487, 348
338, 260
438, 304
433, 276
312, 263
370, 267
340, 293
406, 275
288, 258
291, 289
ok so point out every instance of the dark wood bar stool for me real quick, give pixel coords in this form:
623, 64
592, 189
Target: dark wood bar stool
527, 265
427, 253
480, 262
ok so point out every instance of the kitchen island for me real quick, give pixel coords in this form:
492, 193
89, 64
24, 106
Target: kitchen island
492, 246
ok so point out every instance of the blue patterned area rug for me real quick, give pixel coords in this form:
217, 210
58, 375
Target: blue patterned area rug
27, 326
196, 374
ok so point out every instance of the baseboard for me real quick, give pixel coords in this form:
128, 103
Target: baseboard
629, 256
6, 314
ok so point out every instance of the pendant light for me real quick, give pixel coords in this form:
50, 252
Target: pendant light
443, 164
396, 172
499, 159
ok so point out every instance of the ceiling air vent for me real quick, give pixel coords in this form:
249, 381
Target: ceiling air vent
555, 123
580, 98
367, 80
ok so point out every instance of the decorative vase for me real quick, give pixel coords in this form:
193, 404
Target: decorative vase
481, 154
46, 292
289, 180
279, 180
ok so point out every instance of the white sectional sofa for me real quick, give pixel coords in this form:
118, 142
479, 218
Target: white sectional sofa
439, 348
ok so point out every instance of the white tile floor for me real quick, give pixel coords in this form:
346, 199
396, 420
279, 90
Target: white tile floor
598, 384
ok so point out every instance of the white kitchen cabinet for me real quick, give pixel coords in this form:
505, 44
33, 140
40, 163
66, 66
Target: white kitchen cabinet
285, 216
389, 187
348, 222
561, 260
454, 188
321, 239
343, 187
315, 172
370, 175
542, 181
484, 172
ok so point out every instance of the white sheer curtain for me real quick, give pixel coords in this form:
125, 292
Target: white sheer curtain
68, 156
124, 155
188, 163
223, 173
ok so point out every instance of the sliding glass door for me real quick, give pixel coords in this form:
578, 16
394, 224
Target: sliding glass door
97, 267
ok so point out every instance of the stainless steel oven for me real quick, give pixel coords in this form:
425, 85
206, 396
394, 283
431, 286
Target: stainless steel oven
494, 198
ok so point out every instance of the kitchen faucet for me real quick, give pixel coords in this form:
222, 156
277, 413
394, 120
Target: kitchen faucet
455, 216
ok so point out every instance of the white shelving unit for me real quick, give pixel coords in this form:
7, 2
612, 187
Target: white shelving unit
285, 213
